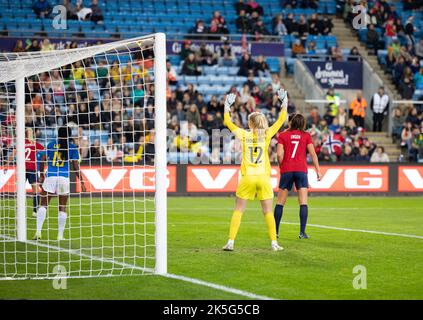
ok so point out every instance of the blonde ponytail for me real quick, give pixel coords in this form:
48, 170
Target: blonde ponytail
257, 120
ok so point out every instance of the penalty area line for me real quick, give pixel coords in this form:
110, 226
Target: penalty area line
131, 266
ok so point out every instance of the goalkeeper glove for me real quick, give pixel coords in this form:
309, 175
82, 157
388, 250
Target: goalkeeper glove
283, 97
230, 99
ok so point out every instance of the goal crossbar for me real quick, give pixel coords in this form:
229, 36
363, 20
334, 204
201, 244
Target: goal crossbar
19, 65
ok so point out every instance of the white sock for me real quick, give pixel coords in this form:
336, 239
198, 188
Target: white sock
62, 222
41, 216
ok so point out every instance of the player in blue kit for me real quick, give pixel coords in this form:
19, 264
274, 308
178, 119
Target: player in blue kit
60, 156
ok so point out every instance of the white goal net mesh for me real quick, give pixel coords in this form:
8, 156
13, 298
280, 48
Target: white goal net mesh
106, 95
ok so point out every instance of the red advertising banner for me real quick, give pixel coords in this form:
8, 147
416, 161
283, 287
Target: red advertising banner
103, 179
410, 179
224, 179
8, 181
335, 179
124, 179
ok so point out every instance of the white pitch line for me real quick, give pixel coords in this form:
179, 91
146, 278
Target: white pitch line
404, 235
218, 287
292, 208
167, 275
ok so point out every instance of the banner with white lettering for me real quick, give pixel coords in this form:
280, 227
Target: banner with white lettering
339, 74
269, 49
104, 179
124, 179
173, 47
223, 179
335, 179
410, 178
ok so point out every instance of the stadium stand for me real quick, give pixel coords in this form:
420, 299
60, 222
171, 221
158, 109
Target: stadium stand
203, 80
394, 34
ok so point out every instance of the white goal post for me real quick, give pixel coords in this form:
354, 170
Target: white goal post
161, 156
116, 227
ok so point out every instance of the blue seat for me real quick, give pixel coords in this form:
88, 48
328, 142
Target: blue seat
240, 80
174, 60
320, 44
290, 64
330, 7
189, 79
227, 80
204, 80
381, 56
273, 63
362, 35
288, 52
16, 34
345, 51
232, 70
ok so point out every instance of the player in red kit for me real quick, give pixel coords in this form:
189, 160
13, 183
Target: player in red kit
31, 149
292, 148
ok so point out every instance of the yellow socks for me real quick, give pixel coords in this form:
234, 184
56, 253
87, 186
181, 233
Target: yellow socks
271, 225
235, 223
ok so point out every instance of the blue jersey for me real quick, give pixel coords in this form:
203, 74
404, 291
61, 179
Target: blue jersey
56, 165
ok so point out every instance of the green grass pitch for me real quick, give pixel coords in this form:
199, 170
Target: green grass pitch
318, 268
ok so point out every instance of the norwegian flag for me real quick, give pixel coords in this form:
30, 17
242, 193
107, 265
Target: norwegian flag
334, 144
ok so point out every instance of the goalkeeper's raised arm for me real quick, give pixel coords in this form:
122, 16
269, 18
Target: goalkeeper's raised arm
230, 99
283, 98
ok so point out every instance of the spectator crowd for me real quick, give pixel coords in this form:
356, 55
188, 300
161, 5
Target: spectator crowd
337, 137
99, 95
386, 30
404, 62
407, 131
249, 21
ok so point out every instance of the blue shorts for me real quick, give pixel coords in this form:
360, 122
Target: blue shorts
31, 176
289, 178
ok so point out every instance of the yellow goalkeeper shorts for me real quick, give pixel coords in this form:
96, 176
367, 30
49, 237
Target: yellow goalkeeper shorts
250, 186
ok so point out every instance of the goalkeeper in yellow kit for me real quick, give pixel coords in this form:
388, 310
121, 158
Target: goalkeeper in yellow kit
255, 166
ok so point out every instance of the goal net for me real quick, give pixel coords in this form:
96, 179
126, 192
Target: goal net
112, 97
